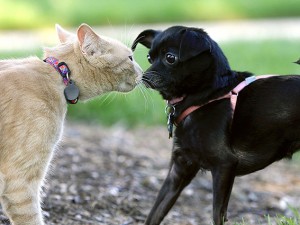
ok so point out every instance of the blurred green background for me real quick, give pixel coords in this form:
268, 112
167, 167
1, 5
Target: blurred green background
27, 14
143, 106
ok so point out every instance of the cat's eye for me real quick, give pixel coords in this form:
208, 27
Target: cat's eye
149, 59
171, 58
130, 57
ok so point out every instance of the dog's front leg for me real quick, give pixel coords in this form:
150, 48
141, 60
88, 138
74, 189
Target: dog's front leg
183, 169
223, 178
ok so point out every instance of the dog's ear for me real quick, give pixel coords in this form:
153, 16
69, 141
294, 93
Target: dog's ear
145, 38
193, 43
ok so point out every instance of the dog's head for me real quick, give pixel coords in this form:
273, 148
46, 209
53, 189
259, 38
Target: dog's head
184, 61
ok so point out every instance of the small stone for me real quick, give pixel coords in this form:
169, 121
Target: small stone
78, 217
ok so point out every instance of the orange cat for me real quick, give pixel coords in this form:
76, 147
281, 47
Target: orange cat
33, 105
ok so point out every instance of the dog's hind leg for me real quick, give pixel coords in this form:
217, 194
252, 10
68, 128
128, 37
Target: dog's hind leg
183, 169
223, 178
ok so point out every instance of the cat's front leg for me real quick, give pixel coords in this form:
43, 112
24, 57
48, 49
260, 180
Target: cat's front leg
21, 199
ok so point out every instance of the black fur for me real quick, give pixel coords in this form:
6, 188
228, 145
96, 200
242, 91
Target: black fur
264, 128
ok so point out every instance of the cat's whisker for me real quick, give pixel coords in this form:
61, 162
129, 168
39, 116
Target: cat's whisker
151, 92
103, 100
148, 93
114, 95
129, 39
108, 98
122, 36
143, 91
108, 21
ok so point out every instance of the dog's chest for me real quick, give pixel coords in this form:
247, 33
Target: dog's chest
204, 134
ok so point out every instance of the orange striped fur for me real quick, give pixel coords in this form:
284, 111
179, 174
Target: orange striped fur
33, 109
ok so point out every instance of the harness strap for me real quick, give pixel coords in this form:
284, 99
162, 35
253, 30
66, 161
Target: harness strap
232, 95
193, 108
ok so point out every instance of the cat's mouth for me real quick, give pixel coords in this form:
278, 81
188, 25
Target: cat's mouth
131, 81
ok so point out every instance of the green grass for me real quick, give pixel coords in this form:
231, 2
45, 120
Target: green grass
146, 107
20, 14
279, 220
263, 57
295, 220
288, 221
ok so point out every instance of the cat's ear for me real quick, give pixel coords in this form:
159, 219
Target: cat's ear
63, 35
88, 39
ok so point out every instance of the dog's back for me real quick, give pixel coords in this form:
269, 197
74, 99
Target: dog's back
266, 122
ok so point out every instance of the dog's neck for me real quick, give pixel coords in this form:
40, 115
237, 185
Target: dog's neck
222, 85
232, 95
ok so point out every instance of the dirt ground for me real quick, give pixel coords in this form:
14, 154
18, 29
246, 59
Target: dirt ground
111, 176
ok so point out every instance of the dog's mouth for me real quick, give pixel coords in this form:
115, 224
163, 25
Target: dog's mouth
174, 101
152, 79
154, 82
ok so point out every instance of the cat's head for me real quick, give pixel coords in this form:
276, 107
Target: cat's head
106, 64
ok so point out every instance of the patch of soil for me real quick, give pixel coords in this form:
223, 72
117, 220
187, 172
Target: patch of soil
111, 176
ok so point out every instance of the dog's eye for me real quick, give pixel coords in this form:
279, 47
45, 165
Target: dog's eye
171, 59
149, 59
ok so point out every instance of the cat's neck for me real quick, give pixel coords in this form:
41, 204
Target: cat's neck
81, 71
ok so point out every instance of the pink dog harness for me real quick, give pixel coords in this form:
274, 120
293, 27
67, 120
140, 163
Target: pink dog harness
232, 95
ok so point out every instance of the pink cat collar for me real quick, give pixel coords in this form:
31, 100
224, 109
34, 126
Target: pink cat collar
71, 91
60, 67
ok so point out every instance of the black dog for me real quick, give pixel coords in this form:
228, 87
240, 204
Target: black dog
190, 70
